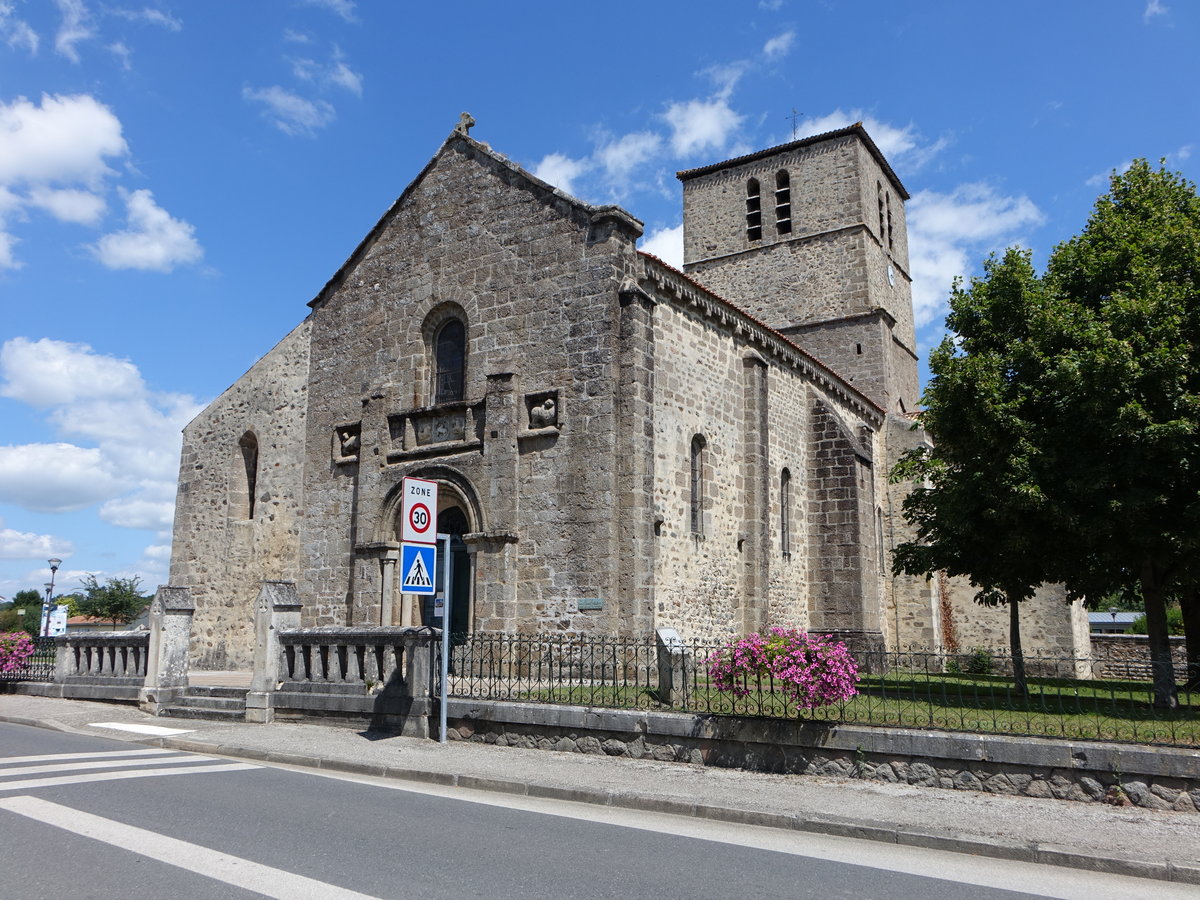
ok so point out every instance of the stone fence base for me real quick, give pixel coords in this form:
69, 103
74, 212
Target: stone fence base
1152, 777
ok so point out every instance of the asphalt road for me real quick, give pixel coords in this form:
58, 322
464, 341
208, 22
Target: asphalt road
88, 817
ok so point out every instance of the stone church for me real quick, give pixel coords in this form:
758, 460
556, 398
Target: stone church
620, 446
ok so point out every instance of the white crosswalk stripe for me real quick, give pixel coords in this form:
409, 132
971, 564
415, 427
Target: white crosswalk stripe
82, 768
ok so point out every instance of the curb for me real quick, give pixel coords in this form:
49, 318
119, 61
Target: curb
885, 832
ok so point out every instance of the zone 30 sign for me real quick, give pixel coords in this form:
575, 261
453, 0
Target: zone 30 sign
419, 512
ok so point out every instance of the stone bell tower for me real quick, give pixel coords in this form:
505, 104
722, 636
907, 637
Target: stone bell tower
810, 237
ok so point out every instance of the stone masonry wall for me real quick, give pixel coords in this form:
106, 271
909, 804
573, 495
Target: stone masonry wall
218, 552
536, 277
1152, 777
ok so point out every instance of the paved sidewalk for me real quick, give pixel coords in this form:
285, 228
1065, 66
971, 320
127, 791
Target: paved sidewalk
1128, 841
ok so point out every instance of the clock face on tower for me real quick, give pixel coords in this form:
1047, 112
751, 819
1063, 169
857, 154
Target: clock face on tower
891, 276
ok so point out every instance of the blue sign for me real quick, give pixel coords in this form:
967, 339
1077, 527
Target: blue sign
417, 563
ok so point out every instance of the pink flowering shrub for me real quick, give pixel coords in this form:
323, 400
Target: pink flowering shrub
813, 669
14, 650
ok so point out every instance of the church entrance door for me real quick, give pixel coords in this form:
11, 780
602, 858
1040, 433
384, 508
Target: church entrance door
452, 524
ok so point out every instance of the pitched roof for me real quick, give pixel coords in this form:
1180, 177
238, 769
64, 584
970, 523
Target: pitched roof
855, 129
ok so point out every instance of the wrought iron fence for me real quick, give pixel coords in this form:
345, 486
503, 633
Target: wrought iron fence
1087, 698
39, 667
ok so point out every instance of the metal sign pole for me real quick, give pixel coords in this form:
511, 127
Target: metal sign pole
444, 541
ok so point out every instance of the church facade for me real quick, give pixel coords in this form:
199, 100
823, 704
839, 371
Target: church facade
620, 446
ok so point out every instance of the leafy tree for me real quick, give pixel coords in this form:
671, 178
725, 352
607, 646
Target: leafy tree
1080, 398
31, 601
977, 508
1174, 622
118, 599
1122, 418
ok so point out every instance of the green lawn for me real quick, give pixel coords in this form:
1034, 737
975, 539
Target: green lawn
983, 704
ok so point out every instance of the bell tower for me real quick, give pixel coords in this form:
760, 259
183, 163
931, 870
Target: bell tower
810, 238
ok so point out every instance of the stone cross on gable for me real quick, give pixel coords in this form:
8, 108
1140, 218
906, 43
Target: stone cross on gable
465, 121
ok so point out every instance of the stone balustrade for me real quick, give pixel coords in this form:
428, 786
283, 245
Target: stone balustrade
102, 665
369, 657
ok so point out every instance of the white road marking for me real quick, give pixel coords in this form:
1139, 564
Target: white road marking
157, 730
243, 873
29, 784
93, 755
83, 766
1013, 875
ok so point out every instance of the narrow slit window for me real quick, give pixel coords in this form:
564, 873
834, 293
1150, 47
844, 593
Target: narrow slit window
696, 501
888, 201
753, 210
450, 357
248, 482
882, 213
783, 202
785, 512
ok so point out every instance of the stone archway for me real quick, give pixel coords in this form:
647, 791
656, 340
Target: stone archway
458, 516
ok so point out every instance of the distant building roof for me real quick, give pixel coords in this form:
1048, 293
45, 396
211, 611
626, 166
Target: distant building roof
1108, 618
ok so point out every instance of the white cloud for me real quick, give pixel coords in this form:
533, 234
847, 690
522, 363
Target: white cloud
150, 16
343, 8
1153, 9
296, 37
153, 241
53, 478
102, 401
779, 46
123, 53
27, 545
291, 113
65, 139
1102, 179
46, 373
335, 74
69, 205
620, 157
949, 233
560, 171
699, 125
17, 32
902, 146
667, 245
770, 5
75, 27
139, 512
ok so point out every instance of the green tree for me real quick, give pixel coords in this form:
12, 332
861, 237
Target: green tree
31, 601
977, 507
1121, 405
119, 599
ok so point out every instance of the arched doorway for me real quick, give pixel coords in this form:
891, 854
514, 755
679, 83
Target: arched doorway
452, 522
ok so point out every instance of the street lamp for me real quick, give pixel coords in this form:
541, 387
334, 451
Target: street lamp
54, 564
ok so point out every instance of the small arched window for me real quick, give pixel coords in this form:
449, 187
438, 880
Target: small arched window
785, 512
696, 500
783, 202
450, 362
247, 476
753, 210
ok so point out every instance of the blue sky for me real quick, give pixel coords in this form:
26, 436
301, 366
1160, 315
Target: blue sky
178, 179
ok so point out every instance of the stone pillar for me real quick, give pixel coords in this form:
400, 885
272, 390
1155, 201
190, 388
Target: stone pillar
388, 589
277, 609
675, 668
167, 661
633, 536
497, 577
755, 535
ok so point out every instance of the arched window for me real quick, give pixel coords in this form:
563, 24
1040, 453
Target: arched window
450, 362
246, 480
696, 500
783, 202
785, 512
753, 210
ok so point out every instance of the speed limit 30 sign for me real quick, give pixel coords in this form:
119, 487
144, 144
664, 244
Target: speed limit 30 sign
419, 513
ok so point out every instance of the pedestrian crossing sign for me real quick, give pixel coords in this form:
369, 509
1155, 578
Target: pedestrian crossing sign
417, 565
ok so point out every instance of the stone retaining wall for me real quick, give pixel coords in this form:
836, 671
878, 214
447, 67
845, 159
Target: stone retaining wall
1151, 777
